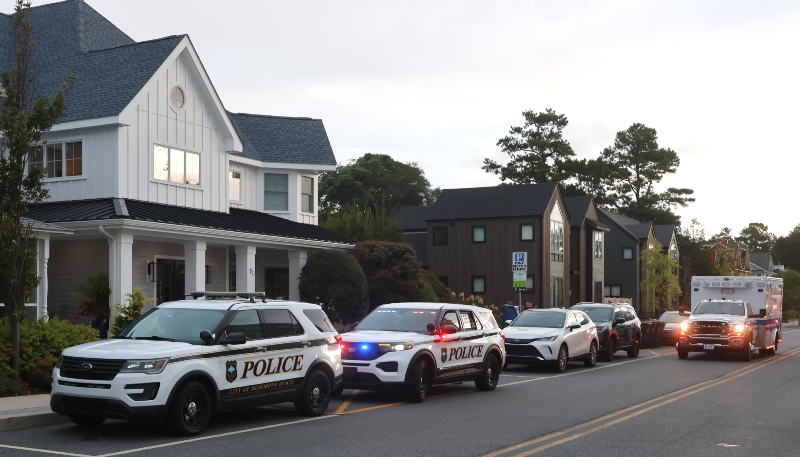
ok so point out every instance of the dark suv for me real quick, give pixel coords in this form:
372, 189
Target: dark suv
618, 327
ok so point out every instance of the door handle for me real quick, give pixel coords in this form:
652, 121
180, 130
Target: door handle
306, 344
261, 349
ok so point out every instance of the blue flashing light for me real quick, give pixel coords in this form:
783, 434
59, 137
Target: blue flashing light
364, 347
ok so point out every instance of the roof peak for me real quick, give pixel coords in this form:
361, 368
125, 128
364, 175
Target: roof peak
139, 42
274, 116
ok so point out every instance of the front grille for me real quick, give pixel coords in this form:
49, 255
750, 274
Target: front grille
522, 350
362, 378
708, 328
721, 341
92, 405
100, 369
360, 351
519, 340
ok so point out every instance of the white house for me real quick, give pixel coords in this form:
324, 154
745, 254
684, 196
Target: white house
154, 182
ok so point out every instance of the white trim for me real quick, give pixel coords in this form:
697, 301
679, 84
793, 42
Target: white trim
169, 96
85, 123
309, 168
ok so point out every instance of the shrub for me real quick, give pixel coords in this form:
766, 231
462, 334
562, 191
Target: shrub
364, 223
9, 384
41, 376
392, 271
334, 280
130, 310
442, 292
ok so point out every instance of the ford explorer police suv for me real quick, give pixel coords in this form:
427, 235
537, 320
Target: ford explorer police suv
411, 346
183, 361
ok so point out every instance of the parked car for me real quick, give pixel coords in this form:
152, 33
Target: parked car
554, 336
672, 326
618, 327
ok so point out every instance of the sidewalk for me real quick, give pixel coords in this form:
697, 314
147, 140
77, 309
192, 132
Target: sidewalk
27, 411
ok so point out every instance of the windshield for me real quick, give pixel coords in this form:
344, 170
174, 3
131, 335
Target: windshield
399, 320
672, 318
719, 307
540, 319
175, 324
596, 313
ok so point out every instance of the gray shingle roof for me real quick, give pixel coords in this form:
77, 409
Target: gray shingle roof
578, 208
283, 139
412, 218
632, 226
762, 259
664, 234
72, 37
490, 202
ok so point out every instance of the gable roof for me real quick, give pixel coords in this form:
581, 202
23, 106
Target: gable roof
283, 139
578, 209
518, 200
763, 260
631, 226
109, 66
664, 234
412, 218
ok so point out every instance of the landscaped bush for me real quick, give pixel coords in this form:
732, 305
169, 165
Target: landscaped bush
9, 384
130, 310
333, 280
41, 376
392, 271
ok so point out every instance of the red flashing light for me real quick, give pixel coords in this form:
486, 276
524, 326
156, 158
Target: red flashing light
503, 335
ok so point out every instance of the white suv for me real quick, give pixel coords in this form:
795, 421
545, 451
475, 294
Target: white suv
411, 346
183, 361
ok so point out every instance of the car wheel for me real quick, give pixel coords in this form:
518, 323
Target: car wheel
683, 355
633, 352
190, 409
591, 359
85, 421
418, 382
316, 395
774, 348
561, 361
490, 375
608, 356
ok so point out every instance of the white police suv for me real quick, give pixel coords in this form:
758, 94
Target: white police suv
183, 361
411, 346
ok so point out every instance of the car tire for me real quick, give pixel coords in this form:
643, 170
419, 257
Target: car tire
337, 392
190, 410
591, 359
608, 356
418, 382
316, 395
747, 355
633, 352
86, 420
490, 375
774, 348
562, 359
683, 355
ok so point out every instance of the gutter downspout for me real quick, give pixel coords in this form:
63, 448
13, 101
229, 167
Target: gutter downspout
112, 270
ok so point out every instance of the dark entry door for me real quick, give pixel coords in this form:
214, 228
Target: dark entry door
171, 280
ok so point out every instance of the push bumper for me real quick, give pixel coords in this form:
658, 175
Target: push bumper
711, 344
529, 353
106, 407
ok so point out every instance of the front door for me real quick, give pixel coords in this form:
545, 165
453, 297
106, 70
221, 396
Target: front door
171, 277
448, 348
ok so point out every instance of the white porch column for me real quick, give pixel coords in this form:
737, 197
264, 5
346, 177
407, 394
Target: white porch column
122, 271
44, 255
195, 258
245, 268
297, 260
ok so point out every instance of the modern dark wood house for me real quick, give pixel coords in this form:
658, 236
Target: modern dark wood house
587, 250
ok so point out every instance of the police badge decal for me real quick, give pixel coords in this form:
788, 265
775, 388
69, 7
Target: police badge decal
444, 355
230, 371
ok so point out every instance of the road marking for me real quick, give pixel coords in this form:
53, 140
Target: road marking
588, 370
387, 405
44, 451
654, 353
344, 406
654, 404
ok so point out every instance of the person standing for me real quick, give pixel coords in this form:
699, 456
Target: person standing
528, 305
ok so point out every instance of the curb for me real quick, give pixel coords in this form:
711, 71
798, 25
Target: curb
31, 420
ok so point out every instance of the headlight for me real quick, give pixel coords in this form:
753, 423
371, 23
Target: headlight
393, 347
739, 328
60, 359
684, 326
153, 366
546, 338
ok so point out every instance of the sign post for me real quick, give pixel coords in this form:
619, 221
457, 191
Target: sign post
519, 271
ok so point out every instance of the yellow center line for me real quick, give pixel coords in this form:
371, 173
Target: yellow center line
687, 391
387, 405
654, 353
346, 403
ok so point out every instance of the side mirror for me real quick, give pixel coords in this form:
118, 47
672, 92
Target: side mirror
431, 328
682, 311
507, 323
206, 336
449, 329
574, 327
234, 338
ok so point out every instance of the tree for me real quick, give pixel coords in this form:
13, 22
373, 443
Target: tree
392, 271
334, 280
695, 256
24, 119
375, 224
791, 289
726, 261
375, 180
642, 164
538, 150
661, 281
787, 249
725, 233
757, 237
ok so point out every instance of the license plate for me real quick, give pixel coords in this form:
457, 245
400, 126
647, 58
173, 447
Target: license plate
708, 347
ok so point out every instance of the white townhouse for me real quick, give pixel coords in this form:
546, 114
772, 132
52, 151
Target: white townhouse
152, 181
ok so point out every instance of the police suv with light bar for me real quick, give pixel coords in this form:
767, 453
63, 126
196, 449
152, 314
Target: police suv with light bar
739, 314
411, 346
183, 361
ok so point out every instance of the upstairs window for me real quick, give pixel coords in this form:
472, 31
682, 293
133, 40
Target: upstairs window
176, 166
556, 235
478, 233
276, 192
440, 236
526, 232
307, 194
598, 245
235, 185
627, 253
60, 160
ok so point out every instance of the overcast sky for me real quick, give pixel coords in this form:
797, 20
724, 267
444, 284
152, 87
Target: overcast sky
439, 82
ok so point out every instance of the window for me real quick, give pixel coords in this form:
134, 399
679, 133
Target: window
451, 318
478, 233
60, 160
440, 236
276, 192
176, 165
445, 280
529, 284
276, 282
556, 292
247, 322
612, 291
307, 194
619, 314
235, 185
479, 284
627, 253
467, 321
280, 323
319, 319
526, 232
177, 97
556, 235
598, 245
598, 291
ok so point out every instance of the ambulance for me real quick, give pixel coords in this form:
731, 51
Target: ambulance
734, 315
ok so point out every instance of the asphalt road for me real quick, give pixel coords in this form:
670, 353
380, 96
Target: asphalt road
655, 405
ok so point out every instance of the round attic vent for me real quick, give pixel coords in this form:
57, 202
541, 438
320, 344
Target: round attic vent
177, 97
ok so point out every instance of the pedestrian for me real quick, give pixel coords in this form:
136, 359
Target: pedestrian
528, 305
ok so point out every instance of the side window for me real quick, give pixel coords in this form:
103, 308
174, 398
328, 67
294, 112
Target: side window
749, 309
630, 314
247, 322
571, 320
468, 321
584, 318
451, 318
319, 319
619, 314
280, 323
489, 319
